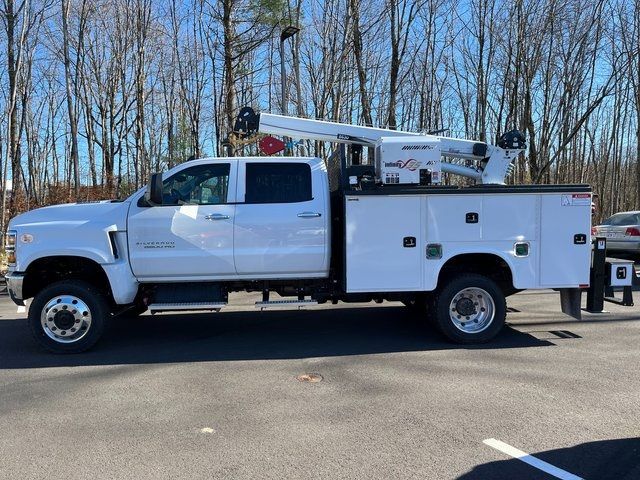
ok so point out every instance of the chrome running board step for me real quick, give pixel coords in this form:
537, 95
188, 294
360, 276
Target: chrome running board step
177, 307
285, 304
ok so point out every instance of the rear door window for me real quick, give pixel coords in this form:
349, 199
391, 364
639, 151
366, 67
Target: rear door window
278, 183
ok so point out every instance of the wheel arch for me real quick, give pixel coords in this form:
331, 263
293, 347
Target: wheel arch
490, 265
44, 271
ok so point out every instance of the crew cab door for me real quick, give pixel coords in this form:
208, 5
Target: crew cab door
281, 228
191, 234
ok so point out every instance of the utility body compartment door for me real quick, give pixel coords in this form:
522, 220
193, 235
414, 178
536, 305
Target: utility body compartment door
384, 247
565, 239
281, 227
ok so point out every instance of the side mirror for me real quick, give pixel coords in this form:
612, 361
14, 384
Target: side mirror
153, 195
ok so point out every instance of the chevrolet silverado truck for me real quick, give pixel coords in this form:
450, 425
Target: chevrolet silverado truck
311, 231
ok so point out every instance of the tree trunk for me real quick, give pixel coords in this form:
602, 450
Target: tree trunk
394, 67
71, 111
362, 73
12, 148
229, 76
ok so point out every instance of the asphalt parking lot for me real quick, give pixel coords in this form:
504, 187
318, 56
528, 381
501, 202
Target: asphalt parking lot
216, 396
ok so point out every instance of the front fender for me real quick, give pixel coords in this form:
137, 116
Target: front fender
122, 283
94, 254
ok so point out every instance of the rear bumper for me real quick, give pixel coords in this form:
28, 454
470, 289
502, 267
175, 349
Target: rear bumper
14, 286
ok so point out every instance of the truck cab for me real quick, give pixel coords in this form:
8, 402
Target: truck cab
233, 219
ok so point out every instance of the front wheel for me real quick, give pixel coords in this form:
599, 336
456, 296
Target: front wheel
470, 308
68, 316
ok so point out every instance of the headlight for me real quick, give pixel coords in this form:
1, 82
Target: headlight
10, 247
11, 239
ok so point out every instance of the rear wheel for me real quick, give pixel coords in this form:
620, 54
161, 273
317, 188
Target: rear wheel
68, 316
470, 308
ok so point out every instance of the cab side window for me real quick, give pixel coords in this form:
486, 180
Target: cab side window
198, 185
278, 183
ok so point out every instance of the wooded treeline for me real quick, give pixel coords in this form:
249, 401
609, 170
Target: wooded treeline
96, 94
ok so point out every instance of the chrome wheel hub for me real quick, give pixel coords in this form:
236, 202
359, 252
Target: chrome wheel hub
472, 310
65, 319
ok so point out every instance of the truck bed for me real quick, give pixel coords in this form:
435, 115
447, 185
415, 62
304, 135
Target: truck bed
389, 233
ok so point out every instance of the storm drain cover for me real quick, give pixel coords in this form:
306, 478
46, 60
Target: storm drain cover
310, 377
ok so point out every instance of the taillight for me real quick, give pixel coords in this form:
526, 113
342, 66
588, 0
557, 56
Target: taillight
632, 232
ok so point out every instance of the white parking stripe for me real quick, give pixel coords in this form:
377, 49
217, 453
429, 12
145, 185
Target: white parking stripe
531, 460
22, 309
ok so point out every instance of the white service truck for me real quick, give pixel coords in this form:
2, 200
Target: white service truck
310, 231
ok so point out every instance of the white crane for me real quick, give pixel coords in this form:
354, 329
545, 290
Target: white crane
492, 161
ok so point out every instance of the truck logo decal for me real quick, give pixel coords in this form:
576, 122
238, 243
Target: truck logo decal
412, 164
161, 244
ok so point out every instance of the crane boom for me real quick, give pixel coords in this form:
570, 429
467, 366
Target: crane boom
493, 160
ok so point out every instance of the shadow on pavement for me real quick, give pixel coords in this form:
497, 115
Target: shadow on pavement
606, 318
602, 460
244, 335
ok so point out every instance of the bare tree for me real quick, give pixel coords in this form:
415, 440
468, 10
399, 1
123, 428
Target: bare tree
95, 94
71, 96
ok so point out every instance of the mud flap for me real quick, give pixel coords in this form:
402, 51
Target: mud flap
570, 302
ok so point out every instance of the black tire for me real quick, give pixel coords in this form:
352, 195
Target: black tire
447, 318
89, 333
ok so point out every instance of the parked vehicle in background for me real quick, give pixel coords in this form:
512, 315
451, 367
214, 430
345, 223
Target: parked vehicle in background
622, 231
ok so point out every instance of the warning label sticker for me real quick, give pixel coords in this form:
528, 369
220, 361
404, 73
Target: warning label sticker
576, 199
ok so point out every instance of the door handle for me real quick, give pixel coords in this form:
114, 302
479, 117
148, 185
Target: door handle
309, 214
216, 216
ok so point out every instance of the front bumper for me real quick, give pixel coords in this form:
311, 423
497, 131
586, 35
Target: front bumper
14, 286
